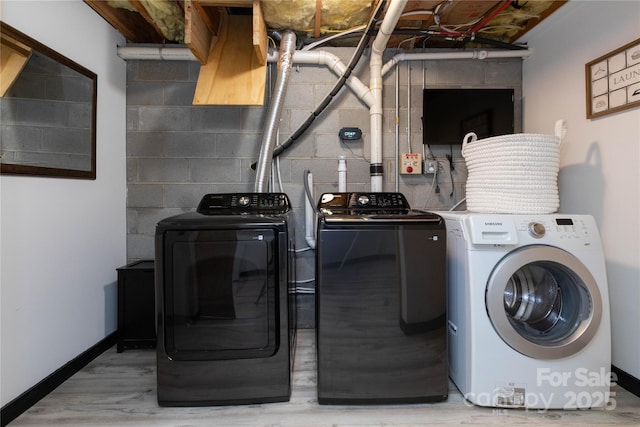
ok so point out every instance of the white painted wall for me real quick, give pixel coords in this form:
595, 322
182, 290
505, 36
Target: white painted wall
600, 158
62, 239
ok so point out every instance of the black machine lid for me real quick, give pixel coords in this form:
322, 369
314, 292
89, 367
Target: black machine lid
381, 206
244, 203
362, 202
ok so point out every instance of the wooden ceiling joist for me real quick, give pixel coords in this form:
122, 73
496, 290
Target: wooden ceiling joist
133, 26
209, 15
143, 12
260, 39
201, 28
202, 25
317, 19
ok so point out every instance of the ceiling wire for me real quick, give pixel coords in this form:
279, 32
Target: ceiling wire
368, 32
456, 36
333, 36
364, 41
489, 17
439, 28
315, 42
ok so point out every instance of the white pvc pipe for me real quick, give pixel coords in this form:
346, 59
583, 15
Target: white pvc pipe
475, 54
151, 53
309, 215
338, 68
327, 59
409, 108
397, 135
342, 174
316, 57
389, 22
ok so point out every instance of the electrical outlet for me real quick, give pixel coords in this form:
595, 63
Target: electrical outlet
411, 163
430, 166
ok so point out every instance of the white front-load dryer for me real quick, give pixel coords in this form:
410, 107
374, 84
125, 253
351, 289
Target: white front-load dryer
528, 310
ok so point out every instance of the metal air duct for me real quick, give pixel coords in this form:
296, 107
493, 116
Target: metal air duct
285, 61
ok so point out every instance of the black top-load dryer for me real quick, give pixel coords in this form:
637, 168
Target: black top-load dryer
225, 301
381, 301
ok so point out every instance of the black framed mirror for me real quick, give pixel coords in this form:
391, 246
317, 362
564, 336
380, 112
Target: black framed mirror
47, 110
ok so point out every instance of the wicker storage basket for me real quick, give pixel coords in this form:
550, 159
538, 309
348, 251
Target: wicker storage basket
514, 174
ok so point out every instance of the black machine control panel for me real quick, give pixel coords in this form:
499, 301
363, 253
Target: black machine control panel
363, 203
244, 203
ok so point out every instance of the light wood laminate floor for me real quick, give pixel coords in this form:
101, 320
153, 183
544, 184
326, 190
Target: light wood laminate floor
120, 389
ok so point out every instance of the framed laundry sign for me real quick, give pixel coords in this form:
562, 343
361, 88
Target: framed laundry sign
613, 81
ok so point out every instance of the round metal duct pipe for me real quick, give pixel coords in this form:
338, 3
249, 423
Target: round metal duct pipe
285, 62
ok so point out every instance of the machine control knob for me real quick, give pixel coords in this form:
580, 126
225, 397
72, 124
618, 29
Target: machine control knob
244, 200
536, 229
363, 200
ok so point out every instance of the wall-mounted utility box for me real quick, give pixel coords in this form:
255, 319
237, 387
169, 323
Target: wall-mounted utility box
411, 163
430, 166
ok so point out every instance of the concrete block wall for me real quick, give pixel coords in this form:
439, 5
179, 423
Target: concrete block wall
177, 152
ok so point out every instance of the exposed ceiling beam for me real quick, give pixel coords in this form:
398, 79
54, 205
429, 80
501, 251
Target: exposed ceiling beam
133, 26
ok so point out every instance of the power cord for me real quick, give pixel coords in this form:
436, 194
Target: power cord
451, 169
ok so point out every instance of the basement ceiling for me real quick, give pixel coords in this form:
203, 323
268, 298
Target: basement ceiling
231, 38
424, 24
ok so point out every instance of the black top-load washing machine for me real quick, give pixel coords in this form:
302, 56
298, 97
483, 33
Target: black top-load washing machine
225, 301
381, 301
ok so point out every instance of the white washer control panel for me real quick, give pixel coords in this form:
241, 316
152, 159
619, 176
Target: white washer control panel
509, 230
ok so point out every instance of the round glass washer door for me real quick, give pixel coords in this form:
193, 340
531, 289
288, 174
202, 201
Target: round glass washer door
543, 302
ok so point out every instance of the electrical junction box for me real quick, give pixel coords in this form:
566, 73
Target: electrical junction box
430, 166
411, 163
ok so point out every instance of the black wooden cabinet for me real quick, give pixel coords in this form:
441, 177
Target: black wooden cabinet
136, 306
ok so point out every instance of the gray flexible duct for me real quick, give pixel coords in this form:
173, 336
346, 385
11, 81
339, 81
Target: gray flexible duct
285, 62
